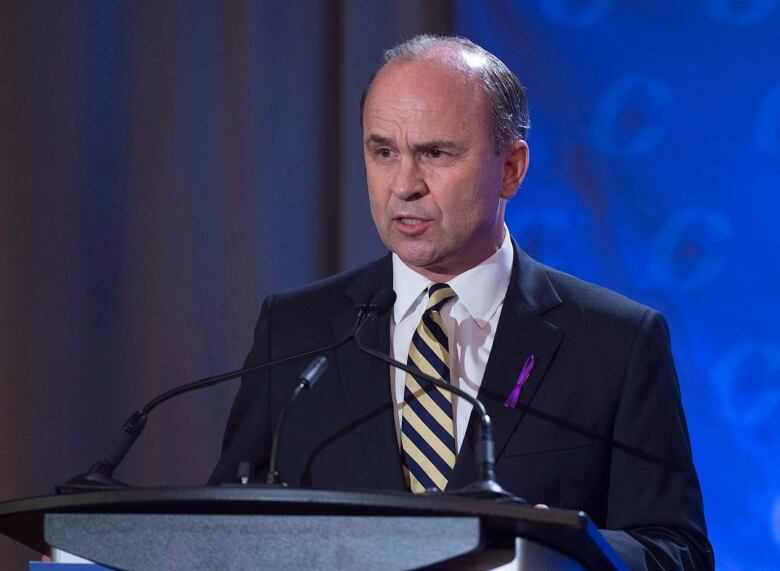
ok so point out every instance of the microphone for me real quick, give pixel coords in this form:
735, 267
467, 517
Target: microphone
380, 303
100, 474
306, 380
486, 485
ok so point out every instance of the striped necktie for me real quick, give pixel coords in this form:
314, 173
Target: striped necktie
427, 432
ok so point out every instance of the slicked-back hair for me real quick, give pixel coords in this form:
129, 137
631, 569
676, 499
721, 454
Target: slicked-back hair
505, 95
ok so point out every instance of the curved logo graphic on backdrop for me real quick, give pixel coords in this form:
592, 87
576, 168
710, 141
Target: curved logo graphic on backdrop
546, 234
576, 14
630, 118
768, 122
775, 520
747, 380
688, 252
738, 13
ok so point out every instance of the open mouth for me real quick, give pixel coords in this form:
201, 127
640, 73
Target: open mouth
410, 225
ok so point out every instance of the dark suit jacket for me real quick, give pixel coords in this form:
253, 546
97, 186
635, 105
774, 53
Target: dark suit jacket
599, 426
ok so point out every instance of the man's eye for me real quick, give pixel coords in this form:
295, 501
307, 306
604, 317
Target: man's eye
383, 152
435, 153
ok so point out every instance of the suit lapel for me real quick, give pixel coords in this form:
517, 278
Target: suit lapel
365, 382
521, 331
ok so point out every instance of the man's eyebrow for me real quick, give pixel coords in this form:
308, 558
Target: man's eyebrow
436, 144
378, 140
374, 139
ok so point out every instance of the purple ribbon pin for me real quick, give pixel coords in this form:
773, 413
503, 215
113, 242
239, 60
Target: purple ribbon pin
525, 372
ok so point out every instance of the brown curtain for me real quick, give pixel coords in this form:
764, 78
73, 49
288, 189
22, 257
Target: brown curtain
163, 167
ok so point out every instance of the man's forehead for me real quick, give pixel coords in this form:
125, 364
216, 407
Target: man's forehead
446, 67
420, 116
419, 85
424, 100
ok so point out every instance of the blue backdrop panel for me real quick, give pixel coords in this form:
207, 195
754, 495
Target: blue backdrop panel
655, 170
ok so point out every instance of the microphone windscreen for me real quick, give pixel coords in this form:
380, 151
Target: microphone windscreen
383, 300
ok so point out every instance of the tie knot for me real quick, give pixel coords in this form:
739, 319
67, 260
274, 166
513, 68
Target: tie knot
438, 295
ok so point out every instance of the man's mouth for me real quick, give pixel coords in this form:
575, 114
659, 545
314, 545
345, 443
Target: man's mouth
411, 225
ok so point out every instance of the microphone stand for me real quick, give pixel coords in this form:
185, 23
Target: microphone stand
306, 381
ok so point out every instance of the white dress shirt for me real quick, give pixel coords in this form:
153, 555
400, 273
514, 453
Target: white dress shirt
470, 319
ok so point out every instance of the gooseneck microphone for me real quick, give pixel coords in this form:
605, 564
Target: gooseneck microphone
486, 485
306, 380
100, 474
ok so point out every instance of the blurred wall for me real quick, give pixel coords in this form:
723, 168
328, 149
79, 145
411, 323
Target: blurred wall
163, 167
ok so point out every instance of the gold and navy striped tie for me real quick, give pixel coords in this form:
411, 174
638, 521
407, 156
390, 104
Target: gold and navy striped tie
427, 432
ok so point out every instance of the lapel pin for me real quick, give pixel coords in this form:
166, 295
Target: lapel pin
525, 372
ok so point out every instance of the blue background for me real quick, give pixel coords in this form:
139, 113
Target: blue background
655, 170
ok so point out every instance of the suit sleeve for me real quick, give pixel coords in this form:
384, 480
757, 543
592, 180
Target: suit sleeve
248, 432
654, 497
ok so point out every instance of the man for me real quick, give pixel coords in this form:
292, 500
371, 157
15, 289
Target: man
579, 381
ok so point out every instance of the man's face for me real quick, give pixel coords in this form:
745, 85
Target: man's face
437, 188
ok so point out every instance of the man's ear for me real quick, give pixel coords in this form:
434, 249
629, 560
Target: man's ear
516, 159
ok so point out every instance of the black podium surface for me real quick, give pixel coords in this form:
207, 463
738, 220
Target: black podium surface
236, 526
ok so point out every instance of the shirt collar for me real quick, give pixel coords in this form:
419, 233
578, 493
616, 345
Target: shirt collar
408, 286
481, 289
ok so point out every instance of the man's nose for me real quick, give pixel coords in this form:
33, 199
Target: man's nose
408, 182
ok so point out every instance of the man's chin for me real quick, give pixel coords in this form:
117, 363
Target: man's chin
416, 260
428, 266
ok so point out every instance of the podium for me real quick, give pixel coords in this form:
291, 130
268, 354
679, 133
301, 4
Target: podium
248, 527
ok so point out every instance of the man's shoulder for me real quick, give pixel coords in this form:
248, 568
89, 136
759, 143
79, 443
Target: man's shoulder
592, 297
549, 289
599, 318
339, 289
591, 308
